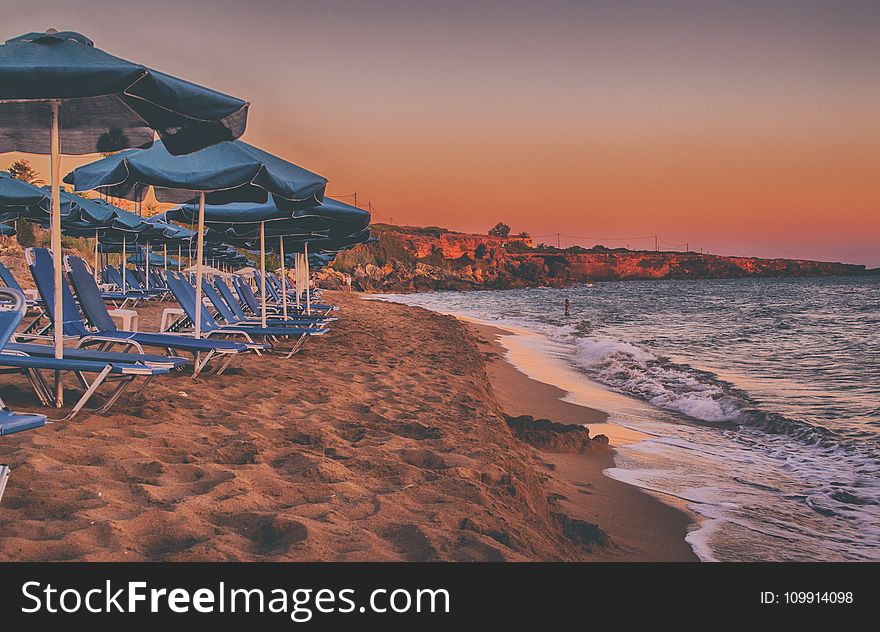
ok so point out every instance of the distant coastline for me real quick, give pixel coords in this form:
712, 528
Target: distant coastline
412, 259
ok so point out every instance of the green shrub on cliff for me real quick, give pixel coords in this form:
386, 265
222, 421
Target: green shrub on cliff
390, 247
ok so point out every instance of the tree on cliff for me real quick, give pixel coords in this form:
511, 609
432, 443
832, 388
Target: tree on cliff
500, 230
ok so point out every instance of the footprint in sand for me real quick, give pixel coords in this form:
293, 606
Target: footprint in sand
410, 542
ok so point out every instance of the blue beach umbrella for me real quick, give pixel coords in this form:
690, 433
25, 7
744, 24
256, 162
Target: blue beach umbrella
224, 173
241, 222
16, 196
58, 80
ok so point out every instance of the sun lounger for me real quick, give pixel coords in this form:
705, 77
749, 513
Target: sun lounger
250, 300
12, 309
236, 307
10, 281
90, 300
226, 312
133, 289
12, 361
47, 351
185, 295
275, 292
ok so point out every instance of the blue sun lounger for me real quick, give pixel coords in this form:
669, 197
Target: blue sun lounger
10, 281
274, 295
237, 309
186, 297
232, 314
291, 291
37, 305
12, 310
90, 300
12, 361
250, 300
133, 289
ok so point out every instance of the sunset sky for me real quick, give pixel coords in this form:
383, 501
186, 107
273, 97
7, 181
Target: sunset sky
738, 127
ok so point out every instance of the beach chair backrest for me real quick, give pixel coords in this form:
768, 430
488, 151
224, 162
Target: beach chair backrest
12, 308
113, 276
247, 295
156, 280
221, 306
131, 280
270, 290
89, 295
185, 295
8, 279
43, 270
230, 299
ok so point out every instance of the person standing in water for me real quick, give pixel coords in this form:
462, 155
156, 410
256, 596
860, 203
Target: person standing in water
567, 307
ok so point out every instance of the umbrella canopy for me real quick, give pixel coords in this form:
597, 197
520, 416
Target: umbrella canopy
243, 220
80, 213
327, 244
52, 80
226, 172
108, 103
16, 196
156, 260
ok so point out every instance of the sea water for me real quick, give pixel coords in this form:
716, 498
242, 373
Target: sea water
760, 399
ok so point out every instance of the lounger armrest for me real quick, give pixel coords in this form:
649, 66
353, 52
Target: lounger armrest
86, 340
234, 332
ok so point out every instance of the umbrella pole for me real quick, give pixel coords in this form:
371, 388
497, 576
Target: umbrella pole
179, 257
164, 258
307, 279
298, 276
263, 269
96, 257
55, 159
122, 265
283, 277
147, 266
200, 253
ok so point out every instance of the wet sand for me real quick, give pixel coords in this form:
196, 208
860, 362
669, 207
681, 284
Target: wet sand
641, 527
384, 440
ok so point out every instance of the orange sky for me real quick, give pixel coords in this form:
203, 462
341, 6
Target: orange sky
735, 127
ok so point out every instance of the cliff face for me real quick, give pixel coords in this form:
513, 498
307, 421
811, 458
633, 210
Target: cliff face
409, 259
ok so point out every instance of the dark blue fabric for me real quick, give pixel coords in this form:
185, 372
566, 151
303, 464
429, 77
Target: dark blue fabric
80, 366
11, 422
8, 279
93, 305
10, 318
237, 221
319, 244
43, 271
155, 260
185, 295
227, 172
16, 196
47, 351
108, 103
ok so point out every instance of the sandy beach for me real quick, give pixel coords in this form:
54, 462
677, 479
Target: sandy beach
385, 440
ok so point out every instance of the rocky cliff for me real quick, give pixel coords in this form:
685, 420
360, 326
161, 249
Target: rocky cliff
418, 259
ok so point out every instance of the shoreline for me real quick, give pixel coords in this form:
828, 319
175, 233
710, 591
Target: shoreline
644, 527
382, 441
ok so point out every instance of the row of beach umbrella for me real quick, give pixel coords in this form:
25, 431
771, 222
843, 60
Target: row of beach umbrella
59, 94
